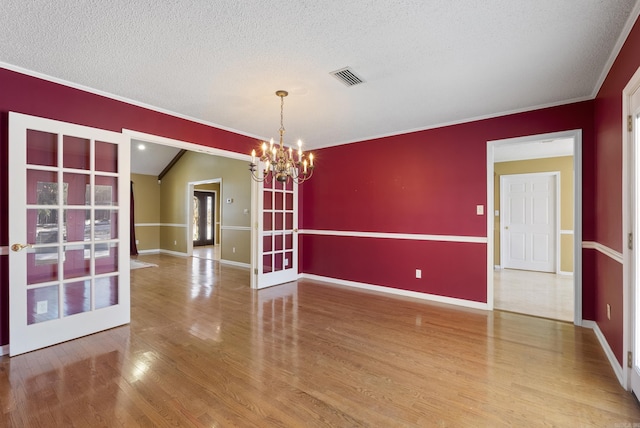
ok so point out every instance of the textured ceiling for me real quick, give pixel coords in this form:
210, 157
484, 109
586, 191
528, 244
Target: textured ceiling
425, 62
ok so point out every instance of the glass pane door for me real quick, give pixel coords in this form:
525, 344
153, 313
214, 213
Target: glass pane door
69, 209
278, 240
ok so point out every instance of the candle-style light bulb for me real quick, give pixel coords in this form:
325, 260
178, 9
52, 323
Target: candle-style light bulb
264, 148
253, 156
271, 144
290, 151
311, 159
305, 166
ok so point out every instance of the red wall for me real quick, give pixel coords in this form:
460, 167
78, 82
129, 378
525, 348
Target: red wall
608, 225
426, 182
29, 95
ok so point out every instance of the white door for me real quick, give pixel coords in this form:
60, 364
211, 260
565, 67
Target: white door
277, 247
528, 221
69, 231
634, 108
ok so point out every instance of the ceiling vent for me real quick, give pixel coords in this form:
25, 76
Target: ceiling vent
347, 76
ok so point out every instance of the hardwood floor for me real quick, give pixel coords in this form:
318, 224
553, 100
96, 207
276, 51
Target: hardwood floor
205, 350
541, 294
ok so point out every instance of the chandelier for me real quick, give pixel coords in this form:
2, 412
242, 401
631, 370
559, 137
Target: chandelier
280, 162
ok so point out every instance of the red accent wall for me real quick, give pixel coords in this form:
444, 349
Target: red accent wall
426, 182
37, 97
608, 227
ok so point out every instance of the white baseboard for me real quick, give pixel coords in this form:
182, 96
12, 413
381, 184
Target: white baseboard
399, 292
153, 251
615, 365
174, 253
565, 273
497, 267
232, 263
4, 350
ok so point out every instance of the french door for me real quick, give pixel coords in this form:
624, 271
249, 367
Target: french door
277, 261
69, 217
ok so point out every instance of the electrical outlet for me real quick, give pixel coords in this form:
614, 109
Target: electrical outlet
137, 241
480, 209
286, 262
608, 311
418, 273
175, 242
234, 249
41, 307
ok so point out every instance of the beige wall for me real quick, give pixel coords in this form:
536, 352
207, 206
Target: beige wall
146, 194
564, 165
236, 185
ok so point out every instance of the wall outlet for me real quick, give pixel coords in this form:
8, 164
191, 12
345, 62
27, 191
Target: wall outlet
42, 307
234, 249
137, 241
608, 311
286, 262
418, 273
480, 209
175, 242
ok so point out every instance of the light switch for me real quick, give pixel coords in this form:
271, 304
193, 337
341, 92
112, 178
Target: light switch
480, 209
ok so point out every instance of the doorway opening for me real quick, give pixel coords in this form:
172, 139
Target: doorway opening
534, 230
205, 214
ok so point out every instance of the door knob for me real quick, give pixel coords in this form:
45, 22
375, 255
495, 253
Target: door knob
20, 247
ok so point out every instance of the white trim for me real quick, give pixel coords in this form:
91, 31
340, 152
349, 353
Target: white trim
399, 292
630, 221
148, 224
173, 253
4, 251
615, 365
232, 263
565, 273
385, 235
248, 228
153, 251
576, 134
612, 254
566, 232
497, 267
168, 224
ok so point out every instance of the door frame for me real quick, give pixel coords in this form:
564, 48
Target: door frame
192, 147
556, 215
629, 201
576, 134
190, 192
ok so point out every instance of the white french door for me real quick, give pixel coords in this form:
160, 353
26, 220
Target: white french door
277, 248
69, 231
528, 221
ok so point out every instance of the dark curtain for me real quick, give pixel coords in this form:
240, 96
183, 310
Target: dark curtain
133, 248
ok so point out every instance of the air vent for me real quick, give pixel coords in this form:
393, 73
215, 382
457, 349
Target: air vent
347, 76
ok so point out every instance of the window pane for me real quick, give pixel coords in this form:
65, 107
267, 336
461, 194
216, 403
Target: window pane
77, 261
106, 292
42, 304
106, 157
42, 148
77, 297
76, 152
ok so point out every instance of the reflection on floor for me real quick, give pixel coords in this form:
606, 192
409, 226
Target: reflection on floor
211, 252
534, 293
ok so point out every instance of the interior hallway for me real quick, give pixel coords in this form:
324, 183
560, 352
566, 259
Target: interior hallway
542, 294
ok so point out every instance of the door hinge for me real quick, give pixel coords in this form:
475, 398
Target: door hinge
255, 271
629, 359
629, 123
630, 241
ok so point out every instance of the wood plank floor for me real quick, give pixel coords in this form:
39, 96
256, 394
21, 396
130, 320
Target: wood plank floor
204, 350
